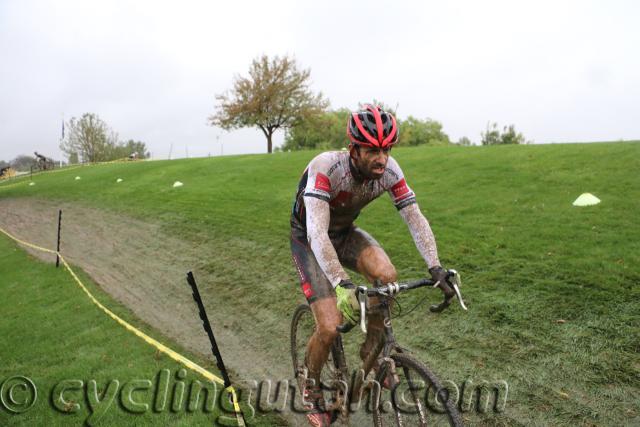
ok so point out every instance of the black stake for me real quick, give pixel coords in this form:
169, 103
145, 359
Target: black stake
58, 246
207, 327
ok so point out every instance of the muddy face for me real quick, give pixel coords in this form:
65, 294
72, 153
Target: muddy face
371, 162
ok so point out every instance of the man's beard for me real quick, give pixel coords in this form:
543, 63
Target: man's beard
361, 172
368, 172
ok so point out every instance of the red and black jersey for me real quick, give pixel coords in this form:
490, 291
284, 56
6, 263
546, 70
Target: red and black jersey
330, 177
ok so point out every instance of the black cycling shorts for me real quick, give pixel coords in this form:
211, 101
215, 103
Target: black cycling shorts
348, 245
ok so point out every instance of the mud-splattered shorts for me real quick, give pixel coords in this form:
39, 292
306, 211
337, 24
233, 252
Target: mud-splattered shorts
348, 245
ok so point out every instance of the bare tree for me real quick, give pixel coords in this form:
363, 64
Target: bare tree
89, 137
275, 95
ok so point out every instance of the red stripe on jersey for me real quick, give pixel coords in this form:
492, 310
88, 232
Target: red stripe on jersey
306, 289
323, 183
400, 189
342, 198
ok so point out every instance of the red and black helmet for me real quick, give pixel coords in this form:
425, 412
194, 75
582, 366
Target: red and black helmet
372, 127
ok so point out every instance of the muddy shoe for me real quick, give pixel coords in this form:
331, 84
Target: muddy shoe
313, 401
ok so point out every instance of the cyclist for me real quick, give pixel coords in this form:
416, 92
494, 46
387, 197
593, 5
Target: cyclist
332, 191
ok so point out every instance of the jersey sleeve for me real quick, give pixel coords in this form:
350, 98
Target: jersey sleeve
401, 194
318, 216
318, 182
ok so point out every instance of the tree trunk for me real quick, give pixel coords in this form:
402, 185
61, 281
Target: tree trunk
269, 142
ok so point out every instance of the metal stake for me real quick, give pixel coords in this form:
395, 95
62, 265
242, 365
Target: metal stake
58, 246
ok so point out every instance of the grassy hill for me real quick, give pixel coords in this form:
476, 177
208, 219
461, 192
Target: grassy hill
552, 289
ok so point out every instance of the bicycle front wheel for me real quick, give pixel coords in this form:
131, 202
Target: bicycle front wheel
407, 393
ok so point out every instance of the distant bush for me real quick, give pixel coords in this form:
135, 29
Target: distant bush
326, 131
23, 162
493, 136
464, 141
122, 150
414, 131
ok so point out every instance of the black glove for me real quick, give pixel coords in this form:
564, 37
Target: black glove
439, 274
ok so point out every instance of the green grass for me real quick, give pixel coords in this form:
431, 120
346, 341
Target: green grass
51, 332
502, 215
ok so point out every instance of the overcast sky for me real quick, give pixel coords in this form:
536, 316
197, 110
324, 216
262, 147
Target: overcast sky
561, 71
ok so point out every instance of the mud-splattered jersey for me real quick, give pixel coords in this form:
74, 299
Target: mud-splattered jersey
334, 198
330, 177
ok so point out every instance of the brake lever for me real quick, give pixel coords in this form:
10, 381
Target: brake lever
456, 282
363, 300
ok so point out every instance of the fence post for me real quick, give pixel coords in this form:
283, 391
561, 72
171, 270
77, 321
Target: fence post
58, 245
214, 346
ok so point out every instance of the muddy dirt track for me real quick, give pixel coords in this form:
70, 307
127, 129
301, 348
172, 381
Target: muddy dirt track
144, 268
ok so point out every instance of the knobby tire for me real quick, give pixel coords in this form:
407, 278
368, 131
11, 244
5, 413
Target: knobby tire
417, 379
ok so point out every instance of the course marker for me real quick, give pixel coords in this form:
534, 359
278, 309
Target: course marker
58, 244
586, 199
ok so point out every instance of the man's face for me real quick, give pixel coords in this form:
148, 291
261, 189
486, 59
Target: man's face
371, 162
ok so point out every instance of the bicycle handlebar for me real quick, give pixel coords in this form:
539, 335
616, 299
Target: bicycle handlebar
363, 293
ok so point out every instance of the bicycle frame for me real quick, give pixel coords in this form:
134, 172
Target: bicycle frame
384, 348
378, 300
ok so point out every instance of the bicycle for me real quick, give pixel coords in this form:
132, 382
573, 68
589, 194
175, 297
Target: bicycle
399, 393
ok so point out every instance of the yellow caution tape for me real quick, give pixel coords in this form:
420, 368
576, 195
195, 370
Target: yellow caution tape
161, 347
31, 245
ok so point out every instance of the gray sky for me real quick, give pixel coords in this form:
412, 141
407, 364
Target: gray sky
561, 71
